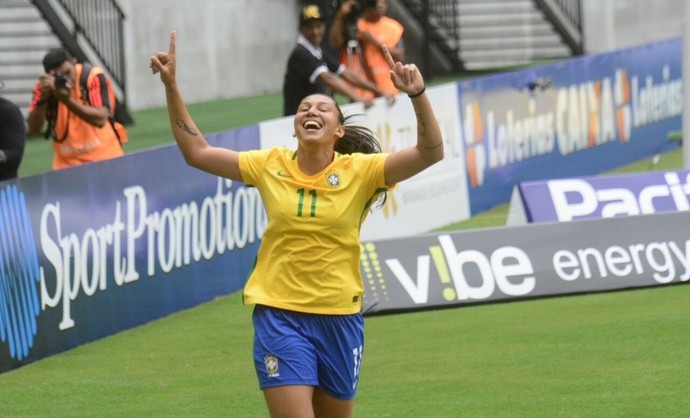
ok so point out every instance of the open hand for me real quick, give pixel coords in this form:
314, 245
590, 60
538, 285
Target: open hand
406, 77
164, 62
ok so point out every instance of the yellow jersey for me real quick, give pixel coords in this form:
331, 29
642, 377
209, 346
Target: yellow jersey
308, 260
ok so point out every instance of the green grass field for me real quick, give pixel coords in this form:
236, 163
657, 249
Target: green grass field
619, 354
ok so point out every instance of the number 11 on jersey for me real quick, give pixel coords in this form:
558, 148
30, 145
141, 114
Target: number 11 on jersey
300, 205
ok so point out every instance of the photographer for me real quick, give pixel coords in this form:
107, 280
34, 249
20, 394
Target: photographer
344, 25
79, 121
310, 71
362, 40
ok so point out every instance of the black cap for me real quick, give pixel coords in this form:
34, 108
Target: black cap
310, 13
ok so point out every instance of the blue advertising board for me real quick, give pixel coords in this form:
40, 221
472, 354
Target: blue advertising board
578, 117
593, 197
88, 251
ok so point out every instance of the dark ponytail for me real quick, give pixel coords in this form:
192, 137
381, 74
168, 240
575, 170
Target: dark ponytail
359, 139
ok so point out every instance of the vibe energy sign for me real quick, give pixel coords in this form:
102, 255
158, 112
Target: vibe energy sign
524, 262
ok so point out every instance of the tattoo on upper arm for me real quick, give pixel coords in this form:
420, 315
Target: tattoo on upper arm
182, 125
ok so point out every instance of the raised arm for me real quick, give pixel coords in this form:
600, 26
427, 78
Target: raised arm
337, 84
406, 163
196, 150
354, 79
397, 51
336, 37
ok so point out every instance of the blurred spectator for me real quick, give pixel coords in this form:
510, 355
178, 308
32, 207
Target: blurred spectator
310, 71
327, 9
12, 139
79, 112
361, 40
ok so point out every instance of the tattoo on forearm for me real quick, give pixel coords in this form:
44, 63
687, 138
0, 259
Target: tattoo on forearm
421, 127
182, 125
421, 133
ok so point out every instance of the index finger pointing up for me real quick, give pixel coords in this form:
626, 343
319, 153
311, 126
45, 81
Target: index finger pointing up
389, 58
171, 49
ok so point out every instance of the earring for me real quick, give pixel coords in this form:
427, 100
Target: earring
294, 135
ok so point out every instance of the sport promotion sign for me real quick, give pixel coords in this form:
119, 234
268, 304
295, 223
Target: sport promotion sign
88, 251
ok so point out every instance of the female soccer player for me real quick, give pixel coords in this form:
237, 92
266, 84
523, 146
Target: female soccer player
306, 286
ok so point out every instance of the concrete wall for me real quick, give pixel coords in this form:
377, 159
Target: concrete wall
225, 48
235, 48
616, 24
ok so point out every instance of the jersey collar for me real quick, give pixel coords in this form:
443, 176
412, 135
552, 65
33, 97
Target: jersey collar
310, 47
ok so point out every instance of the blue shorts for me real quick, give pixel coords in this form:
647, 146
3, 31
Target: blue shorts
295, 348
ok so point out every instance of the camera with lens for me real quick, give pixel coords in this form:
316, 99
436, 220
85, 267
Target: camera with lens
368, 4
358, 8
362, 5
61, 81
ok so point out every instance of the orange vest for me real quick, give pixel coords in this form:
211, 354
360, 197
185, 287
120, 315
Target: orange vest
80, 142
388, 32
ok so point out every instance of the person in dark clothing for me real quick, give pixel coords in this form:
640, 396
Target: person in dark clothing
12, 139
310, 71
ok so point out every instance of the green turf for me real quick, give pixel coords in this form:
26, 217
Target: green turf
617, 354
606, 355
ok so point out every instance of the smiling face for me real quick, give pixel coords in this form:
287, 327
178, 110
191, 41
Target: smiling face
318, 120
314, 31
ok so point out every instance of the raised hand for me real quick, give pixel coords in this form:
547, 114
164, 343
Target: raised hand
406, 77
165, 63
346, 7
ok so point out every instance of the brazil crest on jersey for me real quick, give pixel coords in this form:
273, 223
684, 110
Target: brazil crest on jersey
308, 260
